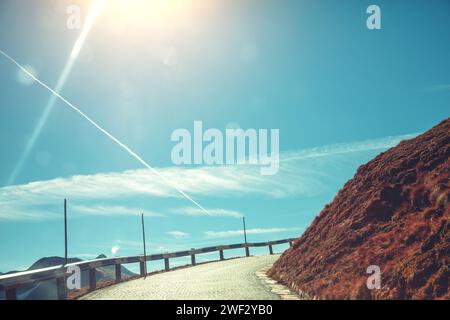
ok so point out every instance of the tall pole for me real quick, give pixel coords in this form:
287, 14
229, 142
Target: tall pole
143, 240
65, 231
245, 231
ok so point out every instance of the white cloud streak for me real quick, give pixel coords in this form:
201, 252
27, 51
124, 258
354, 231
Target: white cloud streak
18, 212
194, 212
178, 234
438, 88
113, 211
345, 148
236, 233
294, 178
84, 256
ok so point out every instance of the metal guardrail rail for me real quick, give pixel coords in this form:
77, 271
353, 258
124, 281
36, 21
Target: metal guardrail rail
11, 282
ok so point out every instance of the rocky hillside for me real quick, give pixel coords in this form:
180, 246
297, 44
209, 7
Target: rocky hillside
394, 213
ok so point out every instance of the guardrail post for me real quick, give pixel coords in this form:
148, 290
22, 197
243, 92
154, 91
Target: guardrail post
270, 249
247, 251
144, 264
192, 257
61, 288
166, 264
118, 272
290, 243
142, 267
92, 279
221, 254
11, 294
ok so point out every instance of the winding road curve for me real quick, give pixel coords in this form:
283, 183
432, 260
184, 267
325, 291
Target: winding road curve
228, 280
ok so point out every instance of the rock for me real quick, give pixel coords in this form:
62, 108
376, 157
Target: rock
393, 213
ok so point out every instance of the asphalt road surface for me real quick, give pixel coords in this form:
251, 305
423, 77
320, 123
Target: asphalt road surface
228, 280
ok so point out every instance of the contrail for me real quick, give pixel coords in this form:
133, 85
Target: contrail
109, 135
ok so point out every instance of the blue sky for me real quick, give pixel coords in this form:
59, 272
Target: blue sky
338, 92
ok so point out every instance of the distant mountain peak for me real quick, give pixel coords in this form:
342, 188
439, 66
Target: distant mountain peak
51, 262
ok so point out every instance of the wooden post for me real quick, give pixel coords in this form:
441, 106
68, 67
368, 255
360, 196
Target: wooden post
221, 254
118, 272
270, 249
11, 294
144, 271
61, 288
192, 257
92, 279
65, 231
166, 264
290, 243
247, 251
245, 231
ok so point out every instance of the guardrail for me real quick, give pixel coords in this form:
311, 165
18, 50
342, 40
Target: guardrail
11, 282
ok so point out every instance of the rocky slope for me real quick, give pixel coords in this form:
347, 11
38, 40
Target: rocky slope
394, 213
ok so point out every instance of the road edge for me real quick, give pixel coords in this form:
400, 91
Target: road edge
277, 288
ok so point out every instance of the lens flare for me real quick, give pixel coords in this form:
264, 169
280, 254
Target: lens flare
95, 10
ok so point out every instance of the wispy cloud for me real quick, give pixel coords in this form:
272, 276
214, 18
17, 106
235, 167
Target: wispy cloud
15, 211
235, 233
152, 246
84, 256
195, 212
113, 210
345, 148
438, 88
295, 178
178, 234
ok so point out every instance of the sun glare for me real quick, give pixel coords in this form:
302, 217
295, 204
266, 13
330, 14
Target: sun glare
143, 12
97, 7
